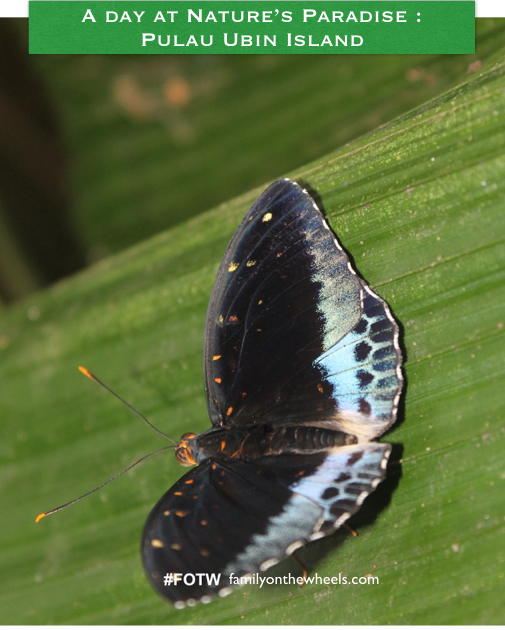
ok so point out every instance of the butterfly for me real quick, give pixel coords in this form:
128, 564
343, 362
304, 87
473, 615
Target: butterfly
302, 371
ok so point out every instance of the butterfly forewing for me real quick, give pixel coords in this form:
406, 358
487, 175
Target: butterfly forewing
283, 294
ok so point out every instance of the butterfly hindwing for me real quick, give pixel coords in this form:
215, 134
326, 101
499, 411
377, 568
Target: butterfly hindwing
364, 370
205, 521
236, 517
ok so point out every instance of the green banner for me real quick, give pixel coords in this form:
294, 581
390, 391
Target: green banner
252, 27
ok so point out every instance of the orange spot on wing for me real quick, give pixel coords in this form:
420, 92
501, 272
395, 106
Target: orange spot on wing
216, 357
229, 411
218, 380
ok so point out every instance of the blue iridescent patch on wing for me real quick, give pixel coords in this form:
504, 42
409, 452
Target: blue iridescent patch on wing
364, 370
302, 370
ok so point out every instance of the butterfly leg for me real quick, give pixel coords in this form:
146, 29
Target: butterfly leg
350, 529
305, 573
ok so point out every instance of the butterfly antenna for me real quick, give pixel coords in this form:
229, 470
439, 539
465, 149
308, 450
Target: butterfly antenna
40, 516
97, 380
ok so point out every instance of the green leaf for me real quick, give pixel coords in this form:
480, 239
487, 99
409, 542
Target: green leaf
419, 205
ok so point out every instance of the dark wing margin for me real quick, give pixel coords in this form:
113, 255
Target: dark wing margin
284, 294
223, 521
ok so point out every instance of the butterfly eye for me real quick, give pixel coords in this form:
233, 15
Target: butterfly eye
184, 456
184, 452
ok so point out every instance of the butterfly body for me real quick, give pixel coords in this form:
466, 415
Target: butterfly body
249, 443
302, 371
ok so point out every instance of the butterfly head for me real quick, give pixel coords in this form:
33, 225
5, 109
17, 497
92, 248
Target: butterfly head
184, 450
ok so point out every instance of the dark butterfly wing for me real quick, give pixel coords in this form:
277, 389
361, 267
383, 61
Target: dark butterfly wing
293, 337
230, 519
277, 344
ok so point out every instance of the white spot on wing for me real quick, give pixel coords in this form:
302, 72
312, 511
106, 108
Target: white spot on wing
361, 497
342, 519
294, 546
264, 566
317, 536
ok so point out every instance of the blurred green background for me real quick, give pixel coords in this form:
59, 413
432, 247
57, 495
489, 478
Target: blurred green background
101, 152
121, 161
